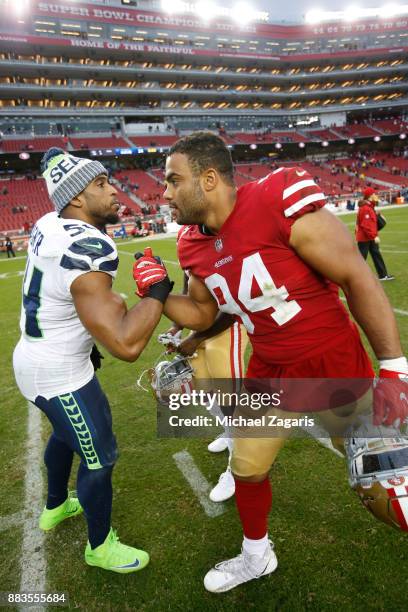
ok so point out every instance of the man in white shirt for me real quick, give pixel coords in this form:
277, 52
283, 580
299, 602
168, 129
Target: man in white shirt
67, 303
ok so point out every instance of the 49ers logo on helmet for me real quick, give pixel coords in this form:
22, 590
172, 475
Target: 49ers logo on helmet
397, 481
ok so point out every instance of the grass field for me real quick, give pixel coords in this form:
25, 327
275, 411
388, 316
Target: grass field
331, 552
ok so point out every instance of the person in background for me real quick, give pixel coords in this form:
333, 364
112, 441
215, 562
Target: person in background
9, 247
367, 236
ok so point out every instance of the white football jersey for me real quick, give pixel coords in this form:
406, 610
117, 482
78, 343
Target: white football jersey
52, 356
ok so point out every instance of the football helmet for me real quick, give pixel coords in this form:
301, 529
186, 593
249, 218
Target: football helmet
378, 470
171, 376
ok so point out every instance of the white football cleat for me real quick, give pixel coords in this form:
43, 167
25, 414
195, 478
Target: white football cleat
225, 488
229, 574
218, 445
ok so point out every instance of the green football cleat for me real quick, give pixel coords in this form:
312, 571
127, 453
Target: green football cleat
116, 557
51, 518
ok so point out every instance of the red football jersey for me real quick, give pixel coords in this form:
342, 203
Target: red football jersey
290, 311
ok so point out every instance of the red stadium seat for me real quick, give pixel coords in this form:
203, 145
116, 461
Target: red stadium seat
107, 142
33, 144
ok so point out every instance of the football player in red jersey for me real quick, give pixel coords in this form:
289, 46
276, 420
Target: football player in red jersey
269, 253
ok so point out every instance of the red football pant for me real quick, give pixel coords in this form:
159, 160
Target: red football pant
254, 501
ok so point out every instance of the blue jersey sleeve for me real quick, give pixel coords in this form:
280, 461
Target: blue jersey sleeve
92, 253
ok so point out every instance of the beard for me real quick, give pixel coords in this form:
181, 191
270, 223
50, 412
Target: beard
192, 206
112, 218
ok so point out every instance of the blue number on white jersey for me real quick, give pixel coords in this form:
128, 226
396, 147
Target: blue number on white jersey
32, 300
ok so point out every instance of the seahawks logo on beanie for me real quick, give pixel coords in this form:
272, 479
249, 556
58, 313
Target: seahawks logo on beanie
66, 175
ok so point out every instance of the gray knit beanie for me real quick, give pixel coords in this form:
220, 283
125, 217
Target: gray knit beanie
66, 176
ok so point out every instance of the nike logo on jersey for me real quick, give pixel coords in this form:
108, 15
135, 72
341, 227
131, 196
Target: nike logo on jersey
301, 173
96, 245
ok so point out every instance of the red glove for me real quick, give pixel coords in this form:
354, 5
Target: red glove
391, 393
147, 270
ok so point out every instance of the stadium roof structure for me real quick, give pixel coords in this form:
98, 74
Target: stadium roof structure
62, 57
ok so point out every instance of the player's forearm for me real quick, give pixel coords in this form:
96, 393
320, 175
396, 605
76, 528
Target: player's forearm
103, 312
176, 327
184, 312
125, 333
372, 310
221, 323
137, 327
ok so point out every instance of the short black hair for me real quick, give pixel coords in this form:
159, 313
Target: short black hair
206, 150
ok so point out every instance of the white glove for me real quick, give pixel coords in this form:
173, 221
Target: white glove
169, 339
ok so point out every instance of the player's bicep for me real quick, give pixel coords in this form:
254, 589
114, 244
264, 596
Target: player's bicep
326, 245
97, 305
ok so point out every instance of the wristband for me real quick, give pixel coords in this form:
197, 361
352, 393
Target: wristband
160, 291
399, 364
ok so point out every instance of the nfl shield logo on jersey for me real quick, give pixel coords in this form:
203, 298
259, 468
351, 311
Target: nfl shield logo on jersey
218, 245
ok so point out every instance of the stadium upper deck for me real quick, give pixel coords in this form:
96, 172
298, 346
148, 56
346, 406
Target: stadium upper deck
115, 27
66, 55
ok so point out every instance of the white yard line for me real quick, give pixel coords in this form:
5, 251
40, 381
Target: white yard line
165, 236
401, 312
33, 560
166, 261
13, 258
6, 275
199, 484
382, 208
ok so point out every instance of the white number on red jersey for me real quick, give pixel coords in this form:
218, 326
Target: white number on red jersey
220, 290
253, 268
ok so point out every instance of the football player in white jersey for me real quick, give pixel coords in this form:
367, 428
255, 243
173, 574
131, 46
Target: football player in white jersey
68, 303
